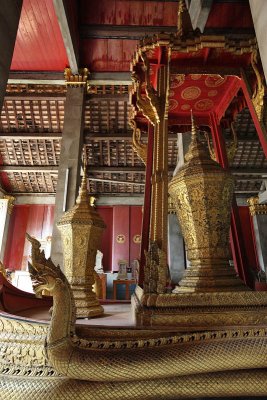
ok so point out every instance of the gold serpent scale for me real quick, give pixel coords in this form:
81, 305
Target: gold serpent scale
54, 361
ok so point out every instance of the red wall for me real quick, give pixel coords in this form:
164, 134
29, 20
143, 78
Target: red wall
38, 220
127, 221
35, 219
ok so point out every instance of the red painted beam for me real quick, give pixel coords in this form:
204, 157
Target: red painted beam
236, 237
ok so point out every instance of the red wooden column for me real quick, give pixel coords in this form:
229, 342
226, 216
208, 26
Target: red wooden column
236, 237
147, 204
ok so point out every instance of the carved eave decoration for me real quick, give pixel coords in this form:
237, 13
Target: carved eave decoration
10, 203
138, 145
255, 208
75, 80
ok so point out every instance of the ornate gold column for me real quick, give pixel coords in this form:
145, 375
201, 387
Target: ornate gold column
81, 230
258, 214
155, 107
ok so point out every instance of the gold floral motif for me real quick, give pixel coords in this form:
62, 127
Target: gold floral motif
137, 239
120, 238
191, 93
185, 107
195, 77
176, 80
204, 105
215, 80
212, 93
173, 104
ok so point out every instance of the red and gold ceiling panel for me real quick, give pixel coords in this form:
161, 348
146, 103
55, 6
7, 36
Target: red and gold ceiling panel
201, 93
39, 44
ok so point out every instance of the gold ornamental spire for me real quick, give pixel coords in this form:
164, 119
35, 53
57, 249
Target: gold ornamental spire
81, 230
193, 128
83, 192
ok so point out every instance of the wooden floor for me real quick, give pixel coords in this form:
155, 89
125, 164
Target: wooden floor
115, 314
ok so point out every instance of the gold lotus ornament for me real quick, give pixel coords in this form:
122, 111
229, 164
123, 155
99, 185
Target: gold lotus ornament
81, 230
202, 194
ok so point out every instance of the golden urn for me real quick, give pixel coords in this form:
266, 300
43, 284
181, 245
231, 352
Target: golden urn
202, 194
81, 230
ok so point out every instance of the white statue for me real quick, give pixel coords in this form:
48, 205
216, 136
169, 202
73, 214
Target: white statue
98, 262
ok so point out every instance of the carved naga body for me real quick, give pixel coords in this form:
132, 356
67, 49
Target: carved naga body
111, 364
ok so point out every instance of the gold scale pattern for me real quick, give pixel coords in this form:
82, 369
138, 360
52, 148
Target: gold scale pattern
139, 364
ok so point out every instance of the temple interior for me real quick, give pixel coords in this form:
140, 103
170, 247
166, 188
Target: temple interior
133, 199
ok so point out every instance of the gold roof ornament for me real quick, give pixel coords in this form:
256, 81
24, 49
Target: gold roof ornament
202, 193
81, 229
75, 80
255, 208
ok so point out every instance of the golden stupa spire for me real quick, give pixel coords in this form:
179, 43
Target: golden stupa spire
83, 192
193, 125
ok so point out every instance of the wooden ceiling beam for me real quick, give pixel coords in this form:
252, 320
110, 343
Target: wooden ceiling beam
30, 135
35, 96
69, 36
92, 178
30, 168
108, 96
129, 32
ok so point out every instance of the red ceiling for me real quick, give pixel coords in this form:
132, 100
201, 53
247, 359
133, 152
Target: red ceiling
201, 93
230, 15
123, 12
116, 54
107, 54
39, 45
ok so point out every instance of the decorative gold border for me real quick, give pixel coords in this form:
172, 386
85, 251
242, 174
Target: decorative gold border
10, 203
255, 208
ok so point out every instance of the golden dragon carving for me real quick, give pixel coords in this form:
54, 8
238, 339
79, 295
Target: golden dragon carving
231, 149
113, 364
138, 146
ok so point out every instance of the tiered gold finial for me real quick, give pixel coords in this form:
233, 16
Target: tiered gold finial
83, 193
76, 80
255, 208
193, 128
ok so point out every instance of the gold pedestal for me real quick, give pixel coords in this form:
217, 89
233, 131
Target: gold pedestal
200, 311
210, 295
81, 229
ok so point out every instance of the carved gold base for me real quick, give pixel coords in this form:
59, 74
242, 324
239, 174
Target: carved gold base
86, 303
210, 277
200, 311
